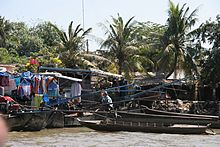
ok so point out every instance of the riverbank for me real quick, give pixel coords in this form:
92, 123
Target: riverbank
83, 137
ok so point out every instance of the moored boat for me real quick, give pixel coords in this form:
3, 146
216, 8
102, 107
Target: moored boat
27, 121
55, 119
149, 127
35, 120
155, 118
160, 112
70, 120
214, 124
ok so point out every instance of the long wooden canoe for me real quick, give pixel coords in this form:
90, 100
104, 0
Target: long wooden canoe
155, 118
149, 127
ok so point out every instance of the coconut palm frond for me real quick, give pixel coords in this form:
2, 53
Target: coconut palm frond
72, 44
87, 32
70, 30
60, 33
179, 24
77, 30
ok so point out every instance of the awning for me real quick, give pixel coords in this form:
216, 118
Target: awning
69, 78
3, 69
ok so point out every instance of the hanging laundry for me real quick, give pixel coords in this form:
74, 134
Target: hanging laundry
37, 100
43, 84
24, 89
53, 89
4, 79
76, 91
45, 98
17, 80
12, 86
36, 84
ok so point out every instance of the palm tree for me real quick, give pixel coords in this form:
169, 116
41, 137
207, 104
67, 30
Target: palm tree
72, 46
177, 37
121, 46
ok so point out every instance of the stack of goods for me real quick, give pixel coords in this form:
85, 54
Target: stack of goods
172, 106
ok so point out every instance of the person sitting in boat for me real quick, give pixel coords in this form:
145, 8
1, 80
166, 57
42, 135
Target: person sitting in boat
106, 101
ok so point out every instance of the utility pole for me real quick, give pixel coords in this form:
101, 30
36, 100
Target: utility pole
83, 15
86, 44
83, 23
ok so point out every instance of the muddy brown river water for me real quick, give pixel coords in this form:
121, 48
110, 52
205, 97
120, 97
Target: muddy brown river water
83, 137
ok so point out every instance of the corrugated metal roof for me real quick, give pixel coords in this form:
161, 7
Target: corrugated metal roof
78, 71
69, 78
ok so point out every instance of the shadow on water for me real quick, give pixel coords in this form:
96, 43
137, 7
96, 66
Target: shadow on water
83, 137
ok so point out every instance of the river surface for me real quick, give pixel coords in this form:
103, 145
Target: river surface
83, 137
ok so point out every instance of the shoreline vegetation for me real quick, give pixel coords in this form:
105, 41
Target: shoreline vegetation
131, 47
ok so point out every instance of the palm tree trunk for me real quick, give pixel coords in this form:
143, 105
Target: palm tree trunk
174, 66
120, 64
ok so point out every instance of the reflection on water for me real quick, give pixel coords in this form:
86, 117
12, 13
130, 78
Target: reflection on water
83, 137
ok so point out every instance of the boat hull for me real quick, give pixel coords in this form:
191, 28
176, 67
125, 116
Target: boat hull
144, 127
35, 120
154, 118
214, 124
55, 119
27, 121
71, 120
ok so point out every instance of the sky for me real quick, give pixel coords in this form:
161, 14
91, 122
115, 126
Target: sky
61, 12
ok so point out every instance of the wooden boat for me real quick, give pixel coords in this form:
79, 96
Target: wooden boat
27, 121
70, 120
215, 124
35, 120
110, 126
155, 118
55, 119
160, 112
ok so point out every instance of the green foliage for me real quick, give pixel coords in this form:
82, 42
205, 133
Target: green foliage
122, 46
5, 56
211, 68
71, 46
210, 32
5, 27
131, 46
177, 38
47, 33
149, 35
74, 40
23, 41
